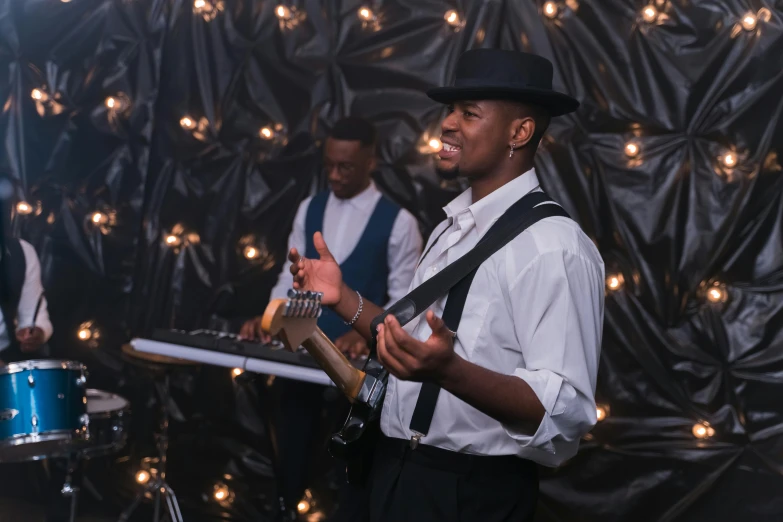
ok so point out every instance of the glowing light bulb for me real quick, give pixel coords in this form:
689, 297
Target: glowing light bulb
283, 12
221, 492
237, 372
729, 160
111, 102
365, 13
715, 295
142, 477
84, 334
24, 208
632, 149
199, 4
749, 22
649, 13
601, 413
702, 431
266, 133
435, 144
550, 9
173, 241
251, 252
99, 218
187, 123
37, 94
452, 18
303, 507
614, 282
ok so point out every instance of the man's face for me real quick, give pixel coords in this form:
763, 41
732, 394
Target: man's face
348, 166
476, 137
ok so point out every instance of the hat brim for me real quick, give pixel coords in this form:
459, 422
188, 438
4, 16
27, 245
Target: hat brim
556, 103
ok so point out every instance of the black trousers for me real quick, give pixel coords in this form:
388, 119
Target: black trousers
429, 484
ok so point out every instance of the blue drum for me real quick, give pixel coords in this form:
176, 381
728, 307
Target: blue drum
43, 409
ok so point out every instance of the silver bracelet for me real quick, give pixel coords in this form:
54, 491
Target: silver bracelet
358, 312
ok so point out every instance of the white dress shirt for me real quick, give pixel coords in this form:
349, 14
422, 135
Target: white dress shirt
343, 225
31, 291
534, 310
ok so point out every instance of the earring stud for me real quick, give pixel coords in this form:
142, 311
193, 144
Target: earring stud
511, 154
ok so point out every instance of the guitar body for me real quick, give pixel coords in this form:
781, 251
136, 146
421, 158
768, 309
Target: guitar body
355, 443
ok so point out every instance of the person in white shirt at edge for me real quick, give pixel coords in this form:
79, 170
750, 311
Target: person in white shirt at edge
518, 378
377, 244
24, 318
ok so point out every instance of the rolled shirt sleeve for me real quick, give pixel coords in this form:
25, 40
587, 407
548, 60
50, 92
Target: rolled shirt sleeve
557, 306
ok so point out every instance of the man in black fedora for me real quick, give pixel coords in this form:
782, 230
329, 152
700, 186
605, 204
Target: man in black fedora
514, 368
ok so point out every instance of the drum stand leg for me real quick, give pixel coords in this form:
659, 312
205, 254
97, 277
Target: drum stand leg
159, 485
68, 489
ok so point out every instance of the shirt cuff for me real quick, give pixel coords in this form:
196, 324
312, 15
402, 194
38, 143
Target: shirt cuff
546, 385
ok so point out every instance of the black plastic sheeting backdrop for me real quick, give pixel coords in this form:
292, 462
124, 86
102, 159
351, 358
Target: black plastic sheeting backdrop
686, 83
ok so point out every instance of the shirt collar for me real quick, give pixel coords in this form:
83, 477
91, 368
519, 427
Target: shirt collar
362, 200
488, 209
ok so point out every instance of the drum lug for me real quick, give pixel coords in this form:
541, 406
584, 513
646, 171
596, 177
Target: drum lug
31, 380
81, 380
35, 423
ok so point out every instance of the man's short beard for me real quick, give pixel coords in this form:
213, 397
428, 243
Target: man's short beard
448, 175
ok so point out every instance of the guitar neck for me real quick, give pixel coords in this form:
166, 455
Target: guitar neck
345, 376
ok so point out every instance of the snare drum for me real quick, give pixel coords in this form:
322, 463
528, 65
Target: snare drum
109, 422
43, 409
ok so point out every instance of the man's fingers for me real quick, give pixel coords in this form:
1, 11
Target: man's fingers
399, 353
438, 326
293, 255
388, 361
400, 336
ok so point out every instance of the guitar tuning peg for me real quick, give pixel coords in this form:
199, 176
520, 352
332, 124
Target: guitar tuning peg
291, 293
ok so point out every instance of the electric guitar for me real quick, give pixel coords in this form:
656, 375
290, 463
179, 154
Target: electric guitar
294, 322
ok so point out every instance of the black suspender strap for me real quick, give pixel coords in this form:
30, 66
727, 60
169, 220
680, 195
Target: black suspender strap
455, 280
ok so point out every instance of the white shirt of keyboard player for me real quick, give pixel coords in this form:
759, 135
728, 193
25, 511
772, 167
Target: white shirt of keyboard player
343, 226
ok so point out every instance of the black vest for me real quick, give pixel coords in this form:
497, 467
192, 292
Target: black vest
12, 268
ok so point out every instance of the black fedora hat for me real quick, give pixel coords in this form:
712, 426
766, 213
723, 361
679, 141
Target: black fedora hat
486, 74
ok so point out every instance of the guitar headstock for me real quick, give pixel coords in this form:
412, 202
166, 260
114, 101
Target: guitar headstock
294, 319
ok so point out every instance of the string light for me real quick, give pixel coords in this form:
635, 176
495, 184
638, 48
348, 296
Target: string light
452, 18
173, 240
749, 22
283, 12
615, 282
702, 430
142, 477
632, 149
39, 95
187, 123
266, 133
729, 160
366, 14
601, 412
24, 208
435, 144
716, 293
550, 9
99, 218
251, 252
236, 372
88, 332
303, 507
650, 13
222, 494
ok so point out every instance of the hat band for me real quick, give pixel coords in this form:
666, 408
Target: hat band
482, 83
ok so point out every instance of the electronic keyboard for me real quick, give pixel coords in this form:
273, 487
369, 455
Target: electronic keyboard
227, 350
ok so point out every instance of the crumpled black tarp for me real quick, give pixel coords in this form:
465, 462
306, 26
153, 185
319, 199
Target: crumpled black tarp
686, 82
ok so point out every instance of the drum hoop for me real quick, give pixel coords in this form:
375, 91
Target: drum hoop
41, 364
44, 436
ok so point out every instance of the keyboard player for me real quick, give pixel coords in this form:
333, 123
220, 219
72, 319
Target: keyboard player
377, 245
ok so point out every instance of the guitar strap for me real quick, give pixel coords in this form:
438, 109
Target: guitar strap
455, 280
